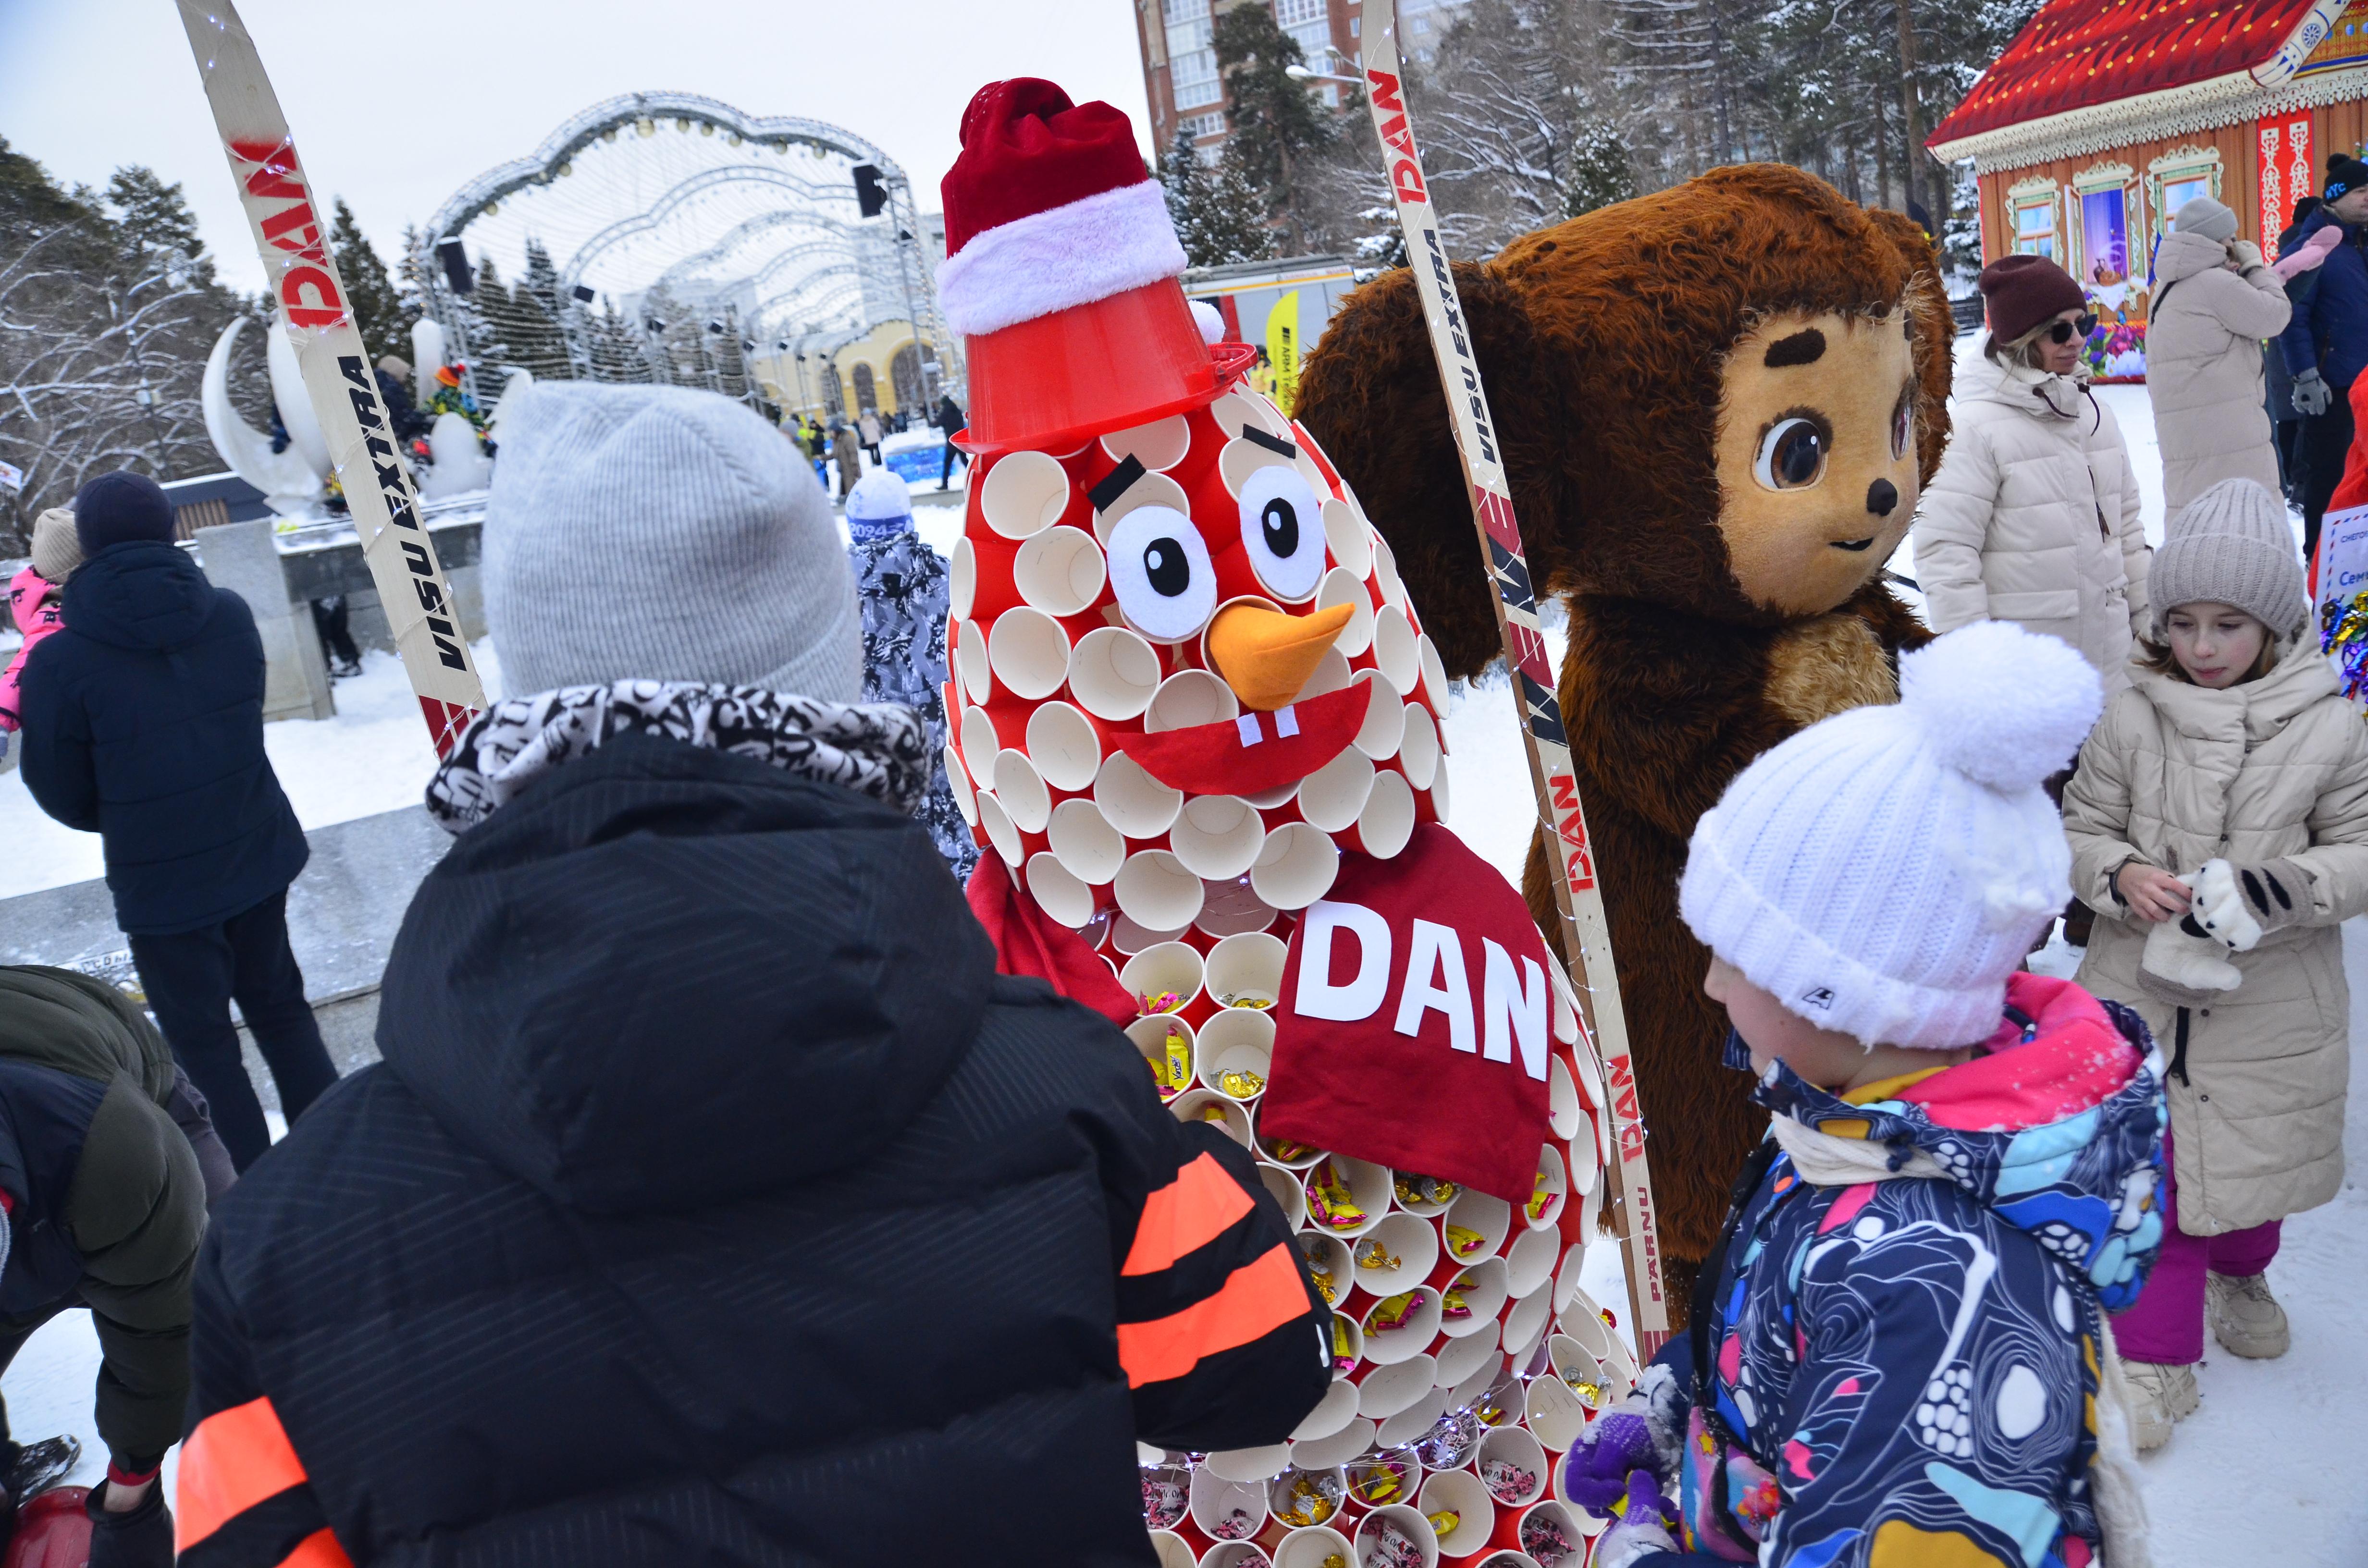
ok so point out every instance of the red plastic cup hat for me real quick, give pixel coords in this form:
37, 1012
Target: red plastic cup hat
1061, 274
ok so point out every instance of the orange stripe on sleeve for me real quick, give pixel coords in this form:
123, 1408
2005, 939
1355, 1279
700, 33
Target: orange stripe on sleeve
319, 1550
1188, 1213
234, 1459
1256, 1300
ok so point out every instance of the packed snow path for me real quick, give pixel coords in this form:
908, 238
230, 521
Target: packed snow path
2261, 1461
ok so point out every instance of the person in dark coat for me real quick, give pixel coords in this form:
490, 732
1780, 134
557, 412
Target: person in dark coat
144, 724
716, 1202
393, 375
2325, 344
106, 1164
950, 419
2285, 422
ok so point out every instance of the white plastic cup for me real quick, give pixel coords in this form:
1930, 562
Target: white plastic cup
1240, 1039
1331, 674
1024, 494
1412, 1337
1158, 446
1437, 796
1408, 1522
1434, 676
1332, 1412
1582, 1320
1215, 1500
1029, 651
1240, 458
1296, 867
1236, 1554
1385, 575
1461, 1360
1489, 1218
1313, 1547
1326, 1453
1207, 1105
1342, 586
1328, 1254
961, 579
1419, 750
1217, 836
1556, 1416
1389, 1389
1231, 909
1459, 1491
1387, 822
1151, 490
1384, 730
1128, 939
979, 744
1262, 1463
1242, 407
1171, 968
1001, 832
1349, 537
1484, 1295
1060, 571
1336, 792
1088, 847
1518, 1446
1412, 1423
1561, 1099
1557, 1175
1188, 698
1149, 1037
1394, 649
1285, 1190
1369, 1189
1139, 806
1172, 1549
1155, 891
1114, 673
1578, 1525
1064, 746
1585, 1167
1021, 790
971, 665
1249, 964
1531, 1262
1058, 892
1412, 1240
958, 785
1526, 1325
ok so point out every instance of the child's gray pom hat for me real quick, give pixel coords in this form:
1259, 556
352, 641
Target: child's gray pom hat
2231, 545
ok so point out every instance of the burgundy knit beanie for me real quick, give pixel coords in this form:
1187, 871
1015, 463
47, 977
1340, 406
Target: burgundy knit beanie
2023, 291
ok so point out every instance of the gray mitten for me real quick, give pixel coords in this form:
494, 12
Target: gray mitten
2240, 905
2312, 395
2184, 966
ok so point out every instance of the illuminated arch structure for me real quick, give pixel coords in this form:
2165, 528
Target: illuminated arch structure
744, 230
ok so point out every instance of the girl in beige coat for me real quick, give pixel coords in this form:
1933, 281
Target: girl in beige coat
2213, 302
2219, 826
2033, 516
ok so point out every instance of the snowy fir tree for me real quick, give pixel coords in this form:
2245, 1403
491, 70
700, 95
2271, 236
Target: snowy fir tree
1601, 169
1275, 121
1218, 214
378, 310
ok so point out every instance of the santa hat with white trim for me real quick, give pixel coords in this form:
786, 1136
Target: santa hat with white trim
1061, 274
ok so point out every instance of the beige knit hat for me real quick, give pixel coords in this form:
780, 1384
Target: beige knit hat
2231, 545
57, 551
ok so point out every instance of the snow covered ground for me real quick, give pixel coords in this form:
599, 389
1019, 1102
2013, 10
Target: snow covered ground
2261, 1473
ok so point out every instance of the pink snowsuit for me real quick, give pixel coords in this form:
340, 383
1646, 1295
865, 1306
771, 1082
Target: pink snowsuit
34, 604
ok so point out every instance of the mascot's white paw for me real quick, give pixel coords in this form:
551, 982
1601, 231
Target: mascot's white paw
2184, 969
2220, 907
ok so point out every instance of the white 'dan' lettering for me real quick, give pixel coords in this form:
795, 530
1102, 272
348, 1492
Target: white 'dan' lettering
1514, 1003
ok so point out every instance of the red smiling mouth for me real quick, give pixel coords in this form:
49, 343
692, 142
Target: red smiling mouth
1256, 752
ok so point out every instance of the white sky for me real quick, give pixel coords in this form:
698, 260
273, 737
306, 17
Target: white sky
394, 103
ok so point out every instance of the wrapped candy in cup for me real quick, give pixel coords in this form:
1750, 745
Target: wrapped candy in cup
1582, 1372
1168, 974
1458, 1493
1113, 674
1475, 1226
1155, 1038
1396, 1255
1512, 1466
1239, 1047
1481, 1289
1401, 1326
1556, 1534
1346, 1197
1301, 1498
1396, 1537
1294, 1157
1236, 1554
1325, 1254
1582, 1319
1383, 1392
1207, 1105
1321, 1547
1383, 1480
1246, 970
1424, 1194
1167, 1493
1452, 1438
1552, 1185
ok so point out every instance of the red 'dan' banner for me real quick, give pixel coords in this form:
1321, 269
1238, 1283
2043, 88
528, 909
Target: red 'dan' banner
1415, 1023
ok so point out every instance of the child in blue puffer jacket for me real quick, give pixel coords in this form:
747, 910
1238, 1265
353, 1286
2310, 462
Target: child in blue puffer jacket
1898, 1353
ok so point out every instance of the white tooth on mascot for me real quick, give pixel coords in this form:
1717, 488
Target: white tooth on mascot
1196, 728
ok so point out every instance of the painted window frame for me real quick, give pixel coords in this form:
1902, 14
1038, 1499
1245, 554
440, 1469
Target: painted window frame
2033, 193
2091, 181
2176, 167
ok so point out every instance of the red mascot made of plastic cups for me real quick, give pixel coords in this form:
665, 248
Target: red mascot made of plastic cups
1197, 725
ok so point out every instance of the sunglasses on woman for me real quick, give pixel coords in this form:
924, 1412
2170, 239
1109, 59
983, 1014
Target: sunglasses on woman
2066, 331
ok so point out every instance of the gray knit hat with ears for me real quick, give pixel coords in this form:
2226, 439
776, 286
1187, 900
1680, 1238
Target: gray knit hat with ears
661, 533
2205, 217
2231, 545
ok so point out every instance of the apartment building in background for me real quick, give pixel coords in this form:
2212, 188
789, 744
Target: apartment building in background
1180, 67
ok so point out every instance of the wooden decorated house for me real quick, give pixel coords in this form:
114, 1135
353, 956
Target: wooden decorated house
2105, 115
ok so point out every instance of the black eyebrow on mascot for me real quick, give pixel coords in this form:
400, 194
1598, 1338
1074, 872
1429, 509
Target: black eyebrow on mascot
1718, 405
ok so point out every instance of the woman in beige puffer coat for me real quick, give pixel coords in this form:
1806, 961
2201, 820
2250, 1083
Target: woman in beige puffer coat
2215, 300
2229, 784
2033, 516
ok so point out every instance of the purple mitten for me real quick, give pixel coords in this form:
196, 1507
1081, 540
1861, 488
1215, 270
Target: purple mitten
1595, 1473
1648, 1524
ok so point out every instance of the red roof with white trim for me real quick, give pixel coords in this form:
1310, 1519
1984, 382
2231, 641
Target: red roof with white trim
2076, 53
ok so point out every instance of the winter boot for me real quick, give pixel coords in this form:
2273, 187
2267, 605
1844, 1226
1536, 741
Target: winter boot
2245, 1318
2160, 1397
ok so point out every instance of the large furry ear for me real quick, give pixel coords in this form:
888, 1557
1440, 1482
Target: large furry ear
1936, 334
1369, 394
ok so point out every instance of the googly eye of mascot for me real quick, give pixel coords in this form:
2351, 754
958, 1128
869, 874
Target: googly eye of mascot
1718, 405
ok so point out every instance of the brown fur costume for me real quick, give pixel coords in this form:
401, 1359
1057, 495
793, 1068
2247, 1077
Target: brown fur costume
1640, 360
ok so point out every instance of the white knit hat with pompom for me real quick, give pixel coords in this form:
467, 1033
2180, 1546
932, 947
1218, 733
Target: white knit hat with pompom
1884, 871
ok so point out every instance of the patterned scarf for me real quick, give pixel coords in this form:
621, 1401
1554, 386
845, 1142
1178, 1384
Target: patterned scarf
880, 749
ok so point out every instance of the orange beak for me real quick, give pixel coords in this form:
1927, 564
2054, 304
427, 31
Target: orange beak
1266, 657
